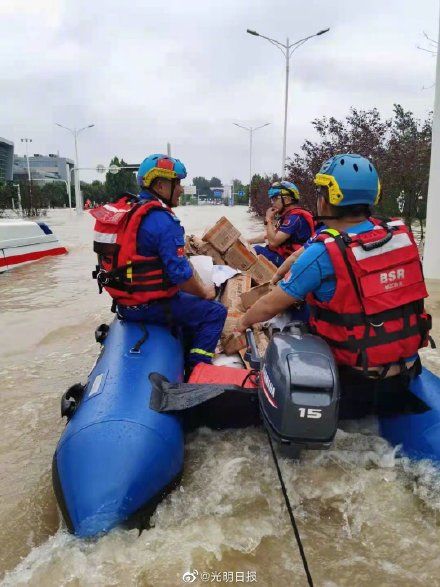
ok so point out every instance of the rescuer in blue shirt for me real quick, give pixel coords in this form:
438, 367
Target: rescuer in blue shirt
161, 235
294, 224
346, 275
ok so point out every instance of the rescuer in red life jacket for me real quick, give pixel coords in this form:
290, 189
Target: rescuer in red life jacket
363, 281
293, 227
142, 264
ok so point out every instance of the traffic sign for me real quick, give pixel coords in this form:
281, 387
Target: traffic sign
241, 193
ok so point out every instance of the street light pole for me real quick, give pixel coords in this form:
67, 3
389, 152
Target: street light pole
251, 130
78, 196
26, 141
287, 50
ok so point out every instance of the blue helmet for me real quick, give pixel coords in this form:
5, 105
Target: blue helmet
283, 188
159, 166
350, 179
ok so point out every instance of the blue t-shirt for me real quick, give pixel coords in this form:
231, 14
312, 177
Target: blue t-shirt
296, 227
313, 272
161, 234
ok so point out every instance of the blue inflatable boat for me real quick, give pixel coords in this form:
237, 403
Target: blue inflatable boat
117, 457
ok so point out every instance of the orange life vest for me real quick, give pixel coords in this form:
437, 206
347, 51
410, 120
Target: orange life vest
376, 316
130, 278
291, 245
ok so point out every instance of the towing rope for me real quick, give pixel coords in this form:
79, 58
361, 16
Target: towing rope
292, 517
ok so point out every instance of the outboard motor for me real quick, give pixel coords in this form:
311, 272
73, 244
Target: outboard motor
299, 390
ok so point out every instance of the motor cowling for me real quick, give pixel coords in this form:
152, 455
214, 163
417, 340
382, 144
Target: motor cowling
299, 390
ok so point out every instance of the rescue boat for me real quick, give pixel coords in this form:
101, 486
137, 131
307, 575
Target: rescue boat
24, 241
122, 449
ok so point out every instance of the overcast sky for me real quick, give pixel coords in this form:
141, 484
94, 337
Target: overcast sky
150, 71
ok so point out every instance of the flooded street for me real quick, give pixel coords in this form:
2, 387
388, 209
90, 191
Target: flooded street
365, 517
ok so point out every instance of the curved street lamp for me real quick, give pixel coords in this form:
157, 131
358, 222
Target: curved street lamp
286, 49
251, 130
75, 132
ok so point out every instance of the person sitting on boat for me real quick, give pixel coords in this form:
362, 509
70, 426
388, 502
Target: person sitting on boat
294, 225
363, 281
142, 264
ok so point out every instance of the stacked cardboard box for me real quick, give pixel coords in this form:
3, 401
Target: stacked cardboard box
234, 290
222, 235
195, 246
248, 298
233, 343
262, 271
240, 255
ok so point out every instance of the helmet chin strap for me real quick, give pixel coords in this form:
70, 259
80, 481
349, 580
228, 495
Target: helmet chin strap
169, 202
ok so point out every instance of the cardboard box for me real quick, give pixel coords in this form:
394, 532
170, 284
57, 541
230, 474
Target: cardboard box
234, 343
240, 255
262, 271
248, 298
232, 320
222, 235
262, 340
235, 288
208, 249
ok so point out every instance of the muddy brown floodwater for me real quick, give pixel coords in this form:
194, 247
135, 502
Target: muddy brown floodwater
365, 516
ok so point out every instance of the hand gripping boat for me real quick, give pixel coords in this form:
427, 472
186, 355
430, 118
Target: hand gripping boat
122, 449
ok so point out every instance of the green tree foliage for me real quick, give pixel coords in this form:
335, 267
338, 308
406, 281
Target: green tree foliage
215, 182
259, 201
239, 187
8, 195
96, 192
202, 184
399, 147
117, 184
55, 194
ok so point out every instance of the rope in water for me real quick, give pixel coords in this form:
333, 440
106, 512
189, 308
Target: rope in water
292, 517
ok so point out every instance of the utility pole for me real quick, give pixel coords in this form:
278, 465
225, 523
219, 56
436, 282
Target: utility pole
26, 141
431, 253
78, 196
250, 130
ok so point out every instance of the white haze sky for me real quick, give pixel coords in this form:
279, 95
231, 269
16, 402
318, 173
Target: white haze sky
147, 72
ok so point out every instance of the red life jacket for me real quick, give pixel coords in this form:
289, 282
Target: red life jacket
376, 316
290, 245
130, 278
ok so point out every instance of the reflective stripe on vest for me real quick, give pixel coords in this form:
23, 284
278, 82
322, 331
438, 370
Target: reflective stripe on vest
376, 316
130, 278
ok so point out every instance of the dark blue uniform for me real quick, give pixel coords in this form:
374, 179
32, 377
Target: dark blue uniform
161, 234
298, 230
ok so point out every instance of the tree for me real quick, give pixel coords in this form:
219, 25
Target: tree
259, 200
215, 182
239, 187
399, 147
96, 192
202, 185
55, 194
117, 184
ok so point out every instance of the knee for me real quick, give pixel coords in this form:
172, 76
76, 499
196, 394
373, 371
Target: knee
216, 312
221, 311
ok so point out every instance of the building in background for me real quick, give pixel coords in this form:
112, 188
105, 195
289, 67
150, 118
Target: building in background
6, 160
43, 167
